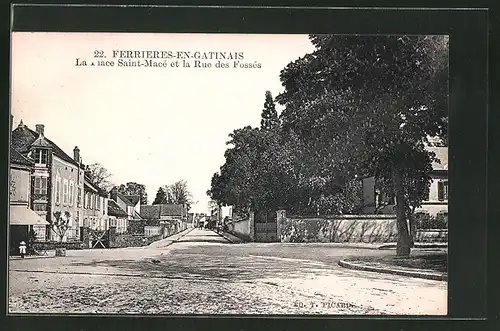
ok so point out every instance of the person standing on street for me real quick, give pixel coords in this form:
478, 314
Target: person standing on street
22, 249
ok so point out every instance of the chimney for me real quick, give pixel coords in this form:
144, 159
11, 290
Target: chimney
76, 154
40, 128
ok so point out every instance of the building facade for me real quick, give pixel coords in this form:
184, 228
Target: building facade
57, 178
95, 207
22, 218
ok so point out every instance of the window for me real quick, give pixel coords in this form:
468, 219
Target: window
443, 190
86, 203
58, 189
65, 191
40, 185
79, 197
98, 202
40, 156
40, 207
71, 190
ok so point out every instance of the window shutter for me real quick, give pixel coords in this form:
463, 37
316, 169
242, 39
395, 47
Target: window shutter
440, 191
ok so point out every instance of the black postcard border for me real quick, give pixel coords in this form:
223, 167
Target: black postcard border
468, 134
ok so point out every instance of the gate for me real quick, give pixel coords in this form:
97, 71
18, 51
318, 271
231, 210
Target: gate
99, 238
266, 228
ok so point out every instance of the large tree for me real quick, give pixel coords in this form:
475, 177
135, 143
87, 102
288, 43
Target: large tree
133, 188
176, 193
179, 193
99, 176
365, 105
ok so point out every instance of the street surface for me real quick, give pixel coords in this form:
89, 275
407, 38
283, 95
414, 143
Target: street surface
203, 273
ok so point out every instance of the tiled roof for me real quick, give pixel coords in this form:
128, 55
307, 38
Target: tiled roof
88, 183
18, 158
23, 137
150, 212
173, 210
115, 195
168, 209
134, 199
115, 210
442, 156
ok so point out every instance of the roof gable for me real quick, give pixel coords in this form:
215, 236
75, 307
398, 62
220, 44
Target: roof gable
18, 158
23, 138
115, 210
134, 199
115, 195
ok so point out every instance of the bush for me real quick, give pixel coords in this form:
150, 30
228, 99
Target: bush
425, 221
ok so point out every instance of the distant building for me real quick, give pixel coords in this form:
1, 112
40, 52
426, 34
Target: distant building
117, 216
173, 214
95, 206
124, 203
135, 200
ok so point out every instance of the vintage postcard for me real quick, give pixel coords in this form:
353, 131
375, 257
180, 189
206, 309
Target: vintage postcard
270, 174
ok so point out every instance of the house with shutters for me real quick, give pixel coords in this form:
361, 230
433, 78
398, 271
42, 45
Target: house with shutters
436, 203
57, 180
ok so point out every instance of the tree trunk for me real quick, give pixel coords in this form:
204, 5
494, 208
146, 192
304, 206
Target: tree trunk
403, 244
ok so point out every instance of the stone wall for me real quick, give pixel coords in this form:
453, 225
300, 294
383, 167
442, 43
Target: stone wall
243, 228
432, 235
136, 226
346, 228
51, 245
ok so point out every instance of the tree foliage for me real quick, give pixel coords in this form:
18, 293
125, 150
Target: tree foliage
366, 105
99, 176
161, 197
269, 114
176, 193
133, 188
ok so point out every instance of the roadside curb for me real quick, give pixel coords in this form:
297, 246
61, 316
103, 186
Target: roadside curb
232, 239
179, 236
417, 245
408, 273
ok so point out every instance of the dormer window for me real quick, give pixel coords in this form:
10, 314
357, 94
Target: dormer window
40, 156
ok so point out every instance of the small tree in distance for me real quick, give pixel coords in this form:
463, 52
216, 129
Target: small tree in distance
269, 115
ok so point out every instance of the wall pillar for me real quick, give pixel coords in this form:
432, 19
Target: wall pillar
85, 233
252, 225
280, 218
112, 237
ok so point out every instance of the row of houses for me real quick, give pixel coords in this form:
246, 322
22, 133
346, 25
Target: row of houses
44, 179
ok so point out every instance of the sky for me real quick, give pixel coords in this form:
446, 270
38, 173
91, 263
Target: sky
150, 125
